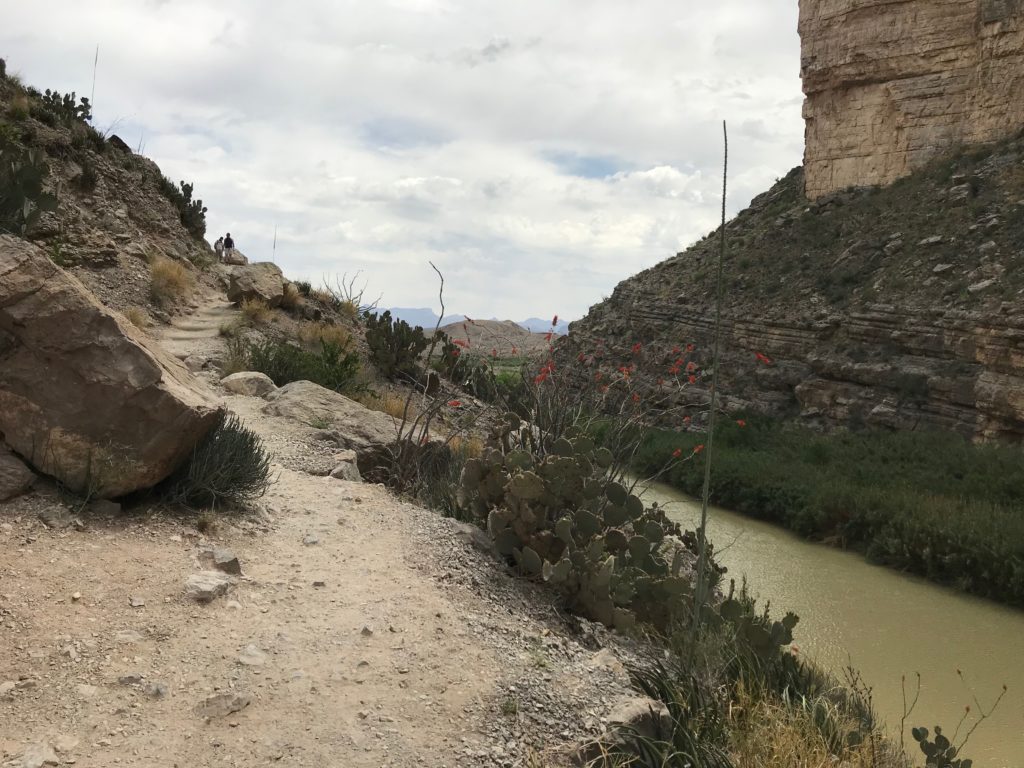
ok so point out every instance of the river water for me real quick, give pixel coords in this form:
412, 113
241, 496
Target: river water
885, 624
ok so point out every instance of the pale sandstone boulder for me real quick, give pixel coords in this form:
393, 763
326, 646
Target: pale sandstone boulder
236, 258
252, 383
84, 396
349, 424
15, 477
261, 280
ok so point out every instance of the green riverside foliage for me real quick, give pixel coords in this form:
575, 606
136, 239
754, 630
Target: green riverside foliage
395, 346
192, 212
22, 199
230, 466
926, 502
333, 366
560, 517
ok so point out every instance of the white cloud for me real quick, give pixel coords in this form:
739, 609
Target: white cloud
538, 152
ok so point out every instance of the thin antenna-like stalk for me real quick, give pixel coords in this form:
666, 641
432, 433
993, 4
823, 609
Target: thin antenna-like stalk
95, 63
701, 586
273, 253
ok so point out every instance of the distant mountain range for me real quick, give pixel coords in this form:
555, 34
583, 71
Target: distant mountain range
427, 318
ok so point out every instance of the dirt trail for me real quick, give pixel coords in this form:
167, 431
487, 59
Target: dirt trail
364, 631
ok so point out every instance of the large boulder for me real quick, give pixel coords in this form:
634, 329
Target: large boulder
262, 280
84, 396
349, 424
252, 383
15, 477
236, 258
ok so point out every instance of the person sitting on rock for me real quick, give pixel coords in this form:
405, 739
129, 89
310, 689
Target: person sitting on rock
218, 248
229, 246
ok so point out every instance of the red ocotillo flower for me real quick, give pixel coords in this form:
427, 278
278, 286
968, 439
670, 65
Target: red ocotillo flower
698, 448
455, 403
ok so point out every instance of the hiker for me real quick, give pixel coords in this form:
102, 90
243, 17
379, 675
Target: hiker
218, 248
229, 246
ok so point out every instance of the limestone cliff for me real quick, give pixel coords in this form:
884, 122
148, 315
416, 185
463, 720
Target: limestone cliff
898, 307
890, 84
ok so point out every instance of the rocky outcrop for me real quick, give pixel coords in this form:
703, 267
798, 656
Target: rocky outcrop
84, 397
15, 477
890, 85
348, 423
899, 307
262, 281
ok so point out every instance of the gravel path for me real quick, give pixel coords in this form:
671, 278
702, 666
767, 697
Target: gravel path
362, 630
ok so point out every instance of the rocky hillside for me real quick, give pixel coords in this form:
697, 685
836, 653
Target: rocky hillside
116, 212
897, 307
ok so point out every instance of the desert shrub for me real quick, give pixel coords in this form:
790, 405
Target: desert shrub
22, 199
229, 466
291, 298
191, 212
19, 107
256, 311
313, 333
137, 317
170, 281
395, 346
332, 366
86, 181
303, 287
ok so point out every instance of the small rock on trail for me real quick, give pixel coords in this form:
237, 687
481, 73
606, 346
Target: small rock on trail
206, 586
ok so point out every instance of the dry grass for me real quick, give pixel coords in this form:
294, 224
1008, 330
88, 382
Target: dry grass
772, 735
256, 311
311, 333
291, 298
137, 317
391, 403
349, 310
469, 447
232, 329
321, 296
19, 107
170, 281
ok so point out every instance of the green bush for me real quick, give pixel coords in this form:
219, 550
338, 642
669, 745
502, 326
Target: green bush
927, 502
332, 365
22, 199
229, 466
395, 346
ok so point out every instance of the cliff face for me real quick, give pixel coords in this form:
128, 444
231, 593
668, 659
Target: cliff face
890, 84
898, 307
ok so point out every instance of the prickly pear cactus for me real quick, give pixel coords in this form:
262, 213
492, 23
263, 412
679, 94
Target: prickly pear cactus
556, 515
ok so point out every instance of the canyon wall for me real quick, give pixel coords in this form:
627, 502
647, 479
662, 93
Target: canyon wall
889, 84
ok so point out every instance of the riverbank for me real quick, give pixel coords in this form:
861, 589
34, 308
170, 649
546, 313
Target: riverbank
928, 503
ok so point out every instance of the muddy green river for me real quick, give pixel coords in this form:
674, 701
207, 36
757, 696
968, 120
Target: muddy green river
885, 624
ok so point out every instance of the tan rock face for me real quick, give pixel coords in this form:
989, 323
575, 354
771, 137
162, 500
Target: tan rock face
84, 397
261, 280
15, 477
889, 85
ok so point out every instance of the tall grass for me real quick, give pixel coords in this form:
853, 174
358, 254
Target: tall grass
926, 502
170, 281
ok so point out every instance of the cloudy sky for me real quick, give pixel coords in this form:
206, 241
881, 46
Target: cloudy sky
537, 151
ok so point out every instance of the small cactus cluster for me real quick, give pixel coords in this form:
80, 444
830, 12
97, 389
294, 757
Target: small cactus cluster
67, 108
758, 633
22, 199
940, 752
559, 516
395, 346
